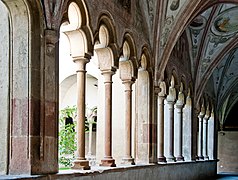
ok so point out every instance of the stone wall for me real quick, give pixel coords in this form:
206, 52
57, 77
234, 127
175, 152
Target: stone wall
227, 151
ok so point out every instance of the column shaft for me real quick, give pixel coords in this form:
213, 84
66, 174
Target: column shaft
200, 137
128, 114
160, 116
81, 162
90, 139
180, 133
108, 160
205, 131
171, 157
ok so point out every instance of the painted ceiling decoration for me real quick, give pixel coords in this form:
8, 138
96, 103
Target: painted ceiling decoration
173, 9
174, 5
211, 34
226, 23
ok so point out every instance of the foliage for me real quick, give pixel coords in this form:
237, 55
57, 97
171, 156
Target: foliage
67, 140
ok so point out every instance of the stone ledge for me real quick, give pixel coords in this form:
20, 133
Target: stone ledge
98, 171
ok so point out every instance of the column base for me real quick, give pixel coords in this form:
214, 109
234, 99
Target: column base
161, 159
179, 158
206, 158
200, 158
128, 161
171, 159
108, 162
81, 165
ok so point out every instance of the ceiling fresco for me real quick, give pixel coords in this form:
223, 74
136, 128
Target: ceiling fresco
210, 34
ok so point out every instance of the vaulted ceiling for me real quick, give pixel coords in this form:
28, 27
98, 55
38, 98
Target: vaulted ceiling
214, 54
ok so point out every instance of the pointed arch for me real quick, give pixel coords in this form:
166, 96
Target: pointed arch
129, 52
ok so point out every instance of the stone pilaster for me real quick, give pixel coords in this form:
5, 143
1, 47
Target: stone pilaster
34, 106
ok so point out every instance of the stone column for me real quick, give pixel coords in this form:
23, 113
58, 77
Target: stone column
171, 101
90, 138
108, 160
81, 162
211, 135
160, 123
205, 133
200, 133
180, 132
128, 114
179, 106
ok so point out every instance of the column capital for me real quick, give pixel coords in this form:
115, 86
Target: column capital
180, 101
128, 84
81, 62
107, 74
179, 106
84, 59
171, 96
208, 114
201, 115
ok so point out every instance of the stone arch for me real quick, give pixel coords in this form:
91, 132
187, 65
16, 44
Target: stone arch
129, 53
77, 30
106, 43
107, 20
24, 95
83, 20
145, 62
128, 39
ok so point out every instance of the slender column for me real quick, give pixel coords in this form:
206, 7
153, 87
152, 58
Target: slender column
171, 101
211, 135
108, 160
200, 134
205, 132
160, 116
81, 162
90, 121
128, 114
171, 157
179, 106
180, 132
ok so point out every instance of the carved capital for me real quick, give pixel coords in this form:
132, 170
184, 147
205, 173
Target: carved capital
51, 38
